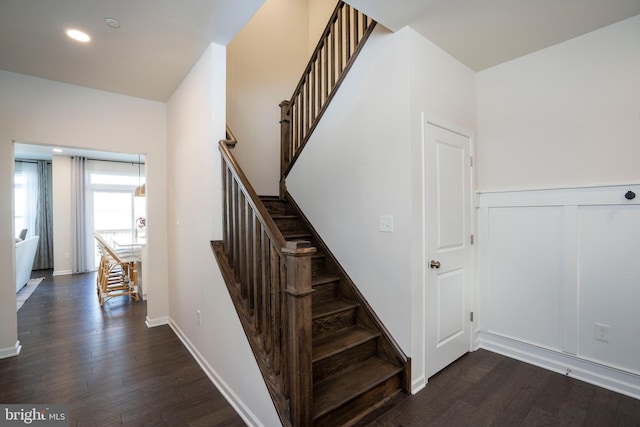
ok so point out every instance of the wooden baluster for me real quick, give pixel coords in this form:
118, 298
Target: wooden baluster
242, 243
340, 41
226, 214
250, 254
295, 122
298, 294
332, 56
300, 122
356, 32
266, 291
257, 274
313, 82
276, 319
284, 333
347, 31
325, 69
236, 230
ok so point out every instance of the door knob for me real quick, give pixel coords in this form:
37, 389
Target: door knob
434, 264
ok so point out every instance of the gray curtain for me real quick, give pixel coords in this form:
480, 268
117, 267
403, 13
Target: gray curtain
44, 218
80, 258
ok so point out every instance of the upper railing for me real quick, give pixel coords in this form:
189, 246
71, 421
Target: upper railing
230, 139
269, 280
336, 51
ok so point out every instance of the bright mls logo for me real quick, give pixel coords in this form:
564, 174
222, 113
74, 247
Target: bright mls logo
36, 415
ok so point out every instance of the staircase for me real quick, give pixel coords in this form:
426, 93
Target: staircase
354, 368
325, 357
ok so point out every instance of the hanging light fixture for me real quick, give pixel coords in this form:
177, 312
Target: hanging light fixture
140, 190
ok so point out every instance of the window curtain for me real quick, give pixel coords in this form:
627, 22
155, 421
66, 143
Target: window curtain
81, 259
44, 217
28, 172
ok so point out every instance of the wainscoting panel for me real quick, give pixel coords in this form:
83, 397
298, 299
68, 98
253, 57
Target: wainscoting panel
525, 271
559, 271
609, 285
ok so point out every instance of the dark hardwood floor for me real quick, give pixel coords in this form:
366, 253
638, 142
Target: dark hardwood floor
105, 363
112, 370
486, 389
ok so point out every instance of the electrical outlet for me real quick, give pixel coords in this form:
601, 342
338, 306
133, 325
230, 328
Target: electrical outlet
602, 332
198, 317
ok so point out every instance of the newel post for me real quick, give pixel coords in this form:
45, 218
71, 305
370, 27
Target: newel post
298, 294
285, 141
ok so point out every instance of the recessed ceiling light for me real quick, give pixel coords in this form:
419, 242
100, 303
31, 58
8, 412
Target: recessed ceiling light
57, 150
113, 23
78, 35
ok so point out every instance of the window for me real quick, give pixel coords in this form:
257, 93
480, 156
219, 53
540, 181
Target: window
25, 197
112, 211
111, 205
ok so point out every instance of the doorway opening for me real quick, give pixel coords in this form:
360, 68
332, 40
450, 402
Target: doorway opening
109, 200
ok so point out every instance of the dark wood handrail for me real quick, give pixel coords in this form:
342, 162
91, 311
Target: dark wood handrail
230, 139
261, 211
269, 280
339, 45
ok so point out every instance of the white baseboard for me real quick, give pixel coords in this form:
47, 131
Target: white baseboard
418, 384
10, 351
245, 413
152, 323
591, 372
62, 272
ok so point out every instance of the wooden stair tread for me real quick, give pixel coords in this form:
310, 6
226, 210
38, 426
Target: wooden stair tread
322, 279
346, 385
296, 235
329, 345
283, 216
327, 308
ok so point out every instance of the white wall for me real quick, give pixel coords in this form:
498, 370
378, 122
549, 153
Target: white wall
319, 13
356, 167
365, 160
265, 60
553, 265
565, 116
196, 122
47, 112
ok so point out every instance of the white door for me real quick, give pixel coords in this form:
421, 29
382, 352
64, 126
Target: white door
448, 247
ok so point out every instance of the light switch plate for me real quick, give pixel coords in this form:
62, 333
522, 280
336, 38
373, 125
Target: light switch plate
386, 223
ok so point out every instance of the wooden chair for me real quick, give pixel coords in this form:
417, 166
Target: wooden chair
116, 276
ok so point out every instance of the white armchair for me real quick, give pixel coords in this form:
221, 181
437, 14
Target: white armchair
25, 254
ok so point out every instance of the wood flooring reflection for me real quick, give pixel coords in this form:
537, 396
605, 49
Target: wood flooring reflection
486, 389
105, 363
113, 370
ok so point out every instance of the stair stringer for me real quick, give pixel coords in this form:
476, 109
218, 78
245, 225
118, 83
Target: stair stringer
272, 380
388, 348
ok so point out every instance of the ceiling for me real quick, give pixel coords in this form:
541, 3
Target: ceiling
159, 40
484, 33
27, 151
148, 56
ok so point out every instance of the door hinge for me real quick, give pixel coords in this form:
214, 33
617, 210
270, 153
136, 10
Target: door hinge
472, 239
471, 317
471, 161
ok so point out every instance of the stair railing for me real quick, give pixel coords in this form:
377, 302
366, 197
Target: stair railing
230, 139
336, 51
269, 281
